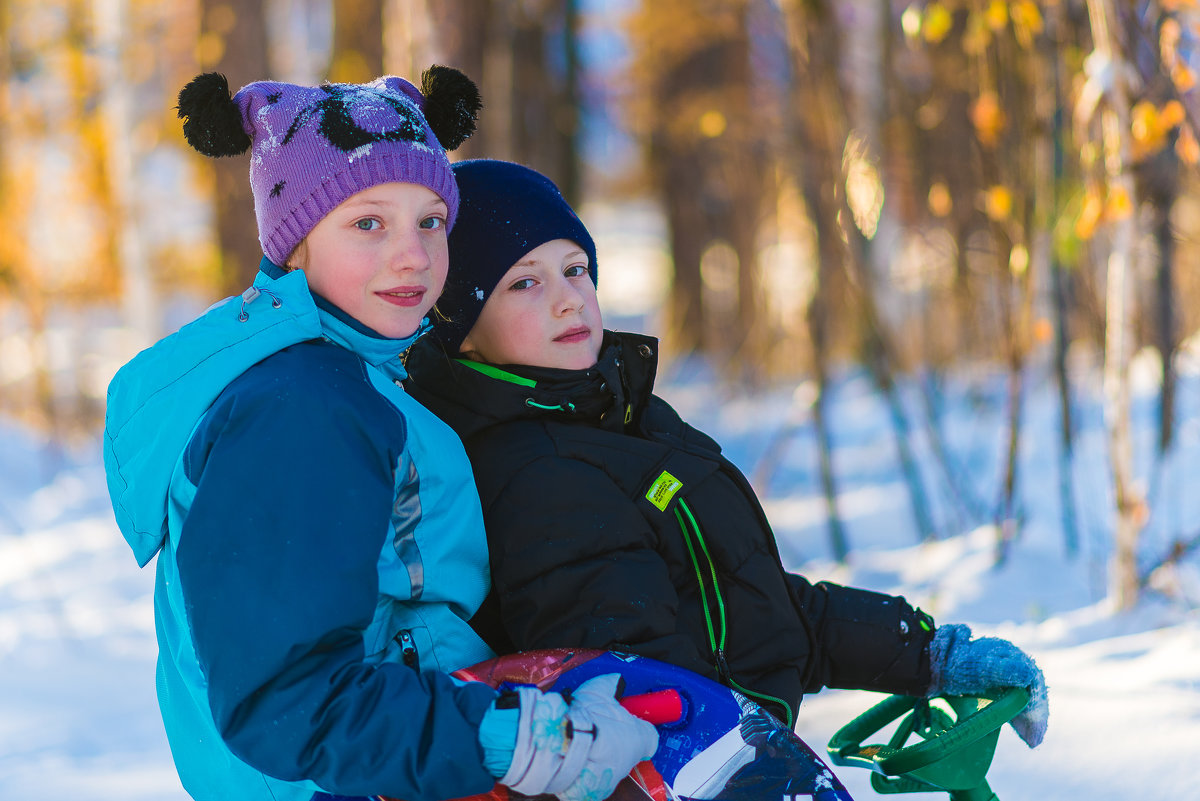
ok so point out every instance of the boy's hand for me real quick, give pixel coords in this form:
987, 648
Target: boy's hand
962, 666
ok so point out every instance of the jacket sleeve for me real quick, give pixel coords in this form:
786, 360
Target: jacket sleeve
864, 640
583, 570
277, 564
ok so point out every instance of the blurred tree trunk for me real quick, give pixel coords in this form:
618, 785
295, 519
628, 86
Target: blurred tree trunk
1060, 288
544, 102
820, 311
749, 179
1157, 183
679, 186
706, 151
525, 59
531, 105
1061, 292
1115, 128
957, 178
18, 272
234, 43
929, 173
1011, 141
472, 36
64, 409
811, 157
358, 42
411, 41
1166, 339
138, 295
8, 239
570, 107
820, 139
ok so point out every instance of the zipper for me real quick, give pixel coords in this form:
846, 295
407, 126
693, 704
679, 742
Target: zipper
408, 648
624, 389
714, 611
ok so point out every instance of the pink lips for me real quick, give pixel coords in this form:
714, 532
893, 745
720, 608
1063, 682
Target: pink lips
403, 295
580, 334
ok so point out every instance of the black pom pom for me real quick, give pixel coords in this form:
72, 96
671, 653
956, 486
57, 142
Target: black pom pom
212, 122
451, 104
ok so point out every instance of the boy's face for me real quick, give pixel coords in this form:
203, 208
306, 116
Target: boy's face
381, 256
542, 313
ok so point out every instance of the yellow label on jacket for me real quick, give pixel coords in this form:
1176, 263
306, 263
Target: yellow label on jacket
663, 490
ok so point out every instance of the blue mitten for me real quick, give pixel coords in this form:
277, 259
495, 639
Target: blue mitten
962, 666
537, 742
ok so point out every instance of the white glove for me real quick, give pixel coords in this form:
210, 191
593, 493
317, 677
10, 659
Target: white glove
578, 751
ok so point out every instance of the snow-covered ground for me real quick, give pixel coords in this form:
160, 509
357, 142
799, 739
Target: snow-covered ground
77, 711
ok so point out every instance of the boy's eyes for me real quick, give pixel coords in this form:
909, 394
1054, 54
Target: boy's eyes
573, 271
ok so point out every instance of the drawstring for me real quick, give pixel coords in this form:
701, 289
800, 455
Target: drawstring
562, 407
251, 295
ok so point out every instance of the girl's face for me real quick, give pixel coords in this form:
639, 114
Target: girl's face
380, 256
542, 313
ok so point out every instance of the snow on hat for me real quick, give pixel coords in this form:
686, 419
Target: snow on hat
311, 147
506, 211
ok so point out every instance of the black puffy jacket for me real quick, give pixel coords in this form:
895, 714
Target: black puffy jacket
614, 524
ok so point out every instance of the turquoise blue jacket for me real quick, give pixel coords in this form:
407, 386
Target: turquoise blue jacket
320, 550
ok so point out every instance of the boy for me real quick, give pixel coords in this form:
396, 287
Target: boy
614, 524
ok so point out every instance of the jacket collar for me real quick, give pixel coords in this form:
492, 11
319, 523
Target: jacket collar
340, 328
471, 396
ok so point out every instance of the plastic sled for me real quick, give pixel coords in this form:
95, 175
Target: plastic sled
714, 743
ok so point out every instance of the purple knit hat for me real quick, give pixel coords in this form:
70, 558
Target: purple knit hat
311, 147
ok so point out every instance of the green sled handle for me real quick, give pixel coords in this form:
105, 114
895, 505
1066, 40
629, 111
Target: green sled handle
957, 738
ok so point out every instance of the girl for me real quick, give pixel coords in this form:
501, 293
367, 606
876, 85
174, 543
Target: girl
612, 523
319, 539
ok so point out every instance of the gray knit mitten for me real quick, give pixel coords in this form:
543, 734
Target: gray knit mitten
962, 666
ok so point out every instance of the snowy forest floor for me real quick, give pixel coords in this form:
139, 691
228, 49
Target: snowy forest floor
77, 645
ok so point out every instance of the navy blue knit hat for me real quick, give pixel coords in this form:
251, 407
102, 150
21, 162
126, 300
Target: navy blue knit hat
505, 210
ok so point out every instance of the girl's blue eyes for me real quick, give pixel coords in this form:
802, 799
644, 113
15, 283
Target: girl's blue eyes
372, 224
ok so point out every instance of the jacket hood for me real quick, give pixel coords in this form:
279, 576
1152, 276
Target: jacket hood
470, 396
157, 399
